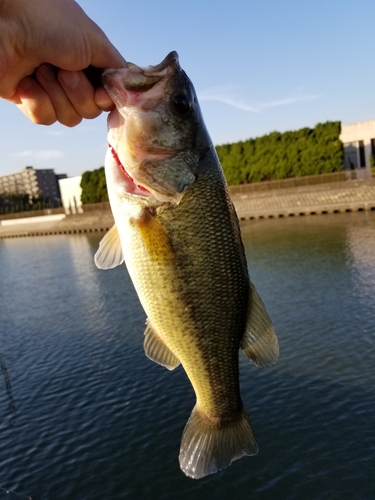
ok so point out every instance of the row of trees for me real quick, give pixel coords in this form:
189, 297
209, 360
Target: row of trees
94, 186
281, 155
20, 202
307, 151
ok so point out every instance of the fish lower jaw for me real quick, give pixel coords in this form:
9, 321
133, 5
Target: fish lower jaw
154, 197
130, 186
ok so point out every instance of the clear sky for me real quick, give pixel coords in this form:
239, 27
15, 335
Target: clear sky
257, 66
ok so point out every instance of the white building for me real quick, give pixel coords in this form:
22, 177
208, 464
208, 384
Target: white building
70, 190
359, 146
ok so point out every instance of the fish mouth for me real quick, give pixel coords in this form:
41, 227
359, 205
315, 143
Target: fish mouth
171, 57
131, 187
128, 86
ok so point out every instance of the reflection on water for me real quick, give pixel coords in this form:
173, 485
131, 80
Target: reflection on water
85, 415
313, 266
361, 245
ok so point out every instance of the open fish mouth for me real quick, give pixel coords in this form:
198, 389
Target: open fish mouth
131, 187
152, 130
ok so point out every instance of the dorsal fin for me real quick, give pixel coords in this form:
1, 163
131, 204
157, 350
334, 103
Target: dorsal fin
109, 254
259, 342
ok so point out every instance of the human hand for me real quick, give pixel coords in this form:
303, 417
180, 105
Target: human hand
44, 47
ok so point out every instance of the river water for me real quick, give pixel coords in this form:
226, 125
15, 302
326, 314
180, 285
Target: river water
84, 415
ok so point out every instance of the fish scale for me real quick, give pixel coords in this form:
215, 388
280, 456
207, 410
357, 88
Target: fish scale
181, 242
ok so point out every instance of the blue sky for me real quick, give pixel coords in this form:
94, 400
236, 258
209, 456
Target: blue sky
257, 66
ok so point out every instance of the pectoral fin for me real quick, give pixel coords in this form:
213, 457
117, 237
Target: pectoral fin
259, 342
155, 237
156, 350
109, 254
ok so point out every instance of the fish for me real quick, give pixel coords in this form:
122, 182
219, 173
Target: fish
177, 231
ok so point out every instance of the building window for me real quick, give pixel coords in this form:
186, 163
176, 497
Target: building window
350, 156
362, 160
373, 147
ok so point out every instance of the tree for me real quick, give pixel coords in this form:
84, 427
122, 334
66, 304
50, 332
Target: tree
94, 186
23, 202
282, 155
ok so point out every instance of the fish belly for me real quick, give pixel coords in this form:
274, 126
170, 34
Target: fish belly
190, 272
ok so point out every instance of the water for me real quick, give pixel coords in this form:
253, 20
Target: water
85, 415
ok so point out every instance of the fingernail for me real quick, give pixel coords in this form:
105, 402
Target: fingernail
70, 78
47, 72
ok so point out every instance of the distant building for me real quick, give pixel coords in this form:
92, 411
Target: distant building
359, 146
70, 189
32, 181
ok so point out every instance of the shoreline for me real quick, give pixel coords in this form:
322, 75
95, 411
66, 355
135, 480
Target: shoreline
332, 198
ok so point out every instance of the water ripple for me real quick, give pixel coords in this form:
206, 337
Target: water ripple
88, 416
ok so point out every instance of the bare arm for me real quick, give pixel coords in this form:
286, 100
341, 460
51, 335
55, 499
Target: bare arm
44, 46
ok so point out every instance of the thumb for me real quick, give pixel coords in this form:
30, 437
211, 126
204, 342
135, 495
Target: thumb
104, 54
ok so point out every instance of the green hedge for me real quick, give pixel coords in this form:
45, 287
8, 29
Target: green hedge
281, 155
274, 156
94, 186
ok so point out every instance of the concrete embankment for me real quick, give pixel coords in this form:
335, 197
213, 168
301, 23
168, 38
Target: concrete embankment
71, 224
337, 197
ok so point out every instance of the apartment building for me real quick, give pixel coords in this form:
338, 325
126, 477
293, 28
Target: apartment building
33, 181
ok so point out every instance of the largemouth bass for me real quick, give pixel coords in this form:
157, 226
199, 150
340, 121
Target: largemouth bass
177, 230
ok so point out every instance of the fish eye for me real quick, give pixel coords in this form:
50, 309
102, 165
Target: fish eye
181, 104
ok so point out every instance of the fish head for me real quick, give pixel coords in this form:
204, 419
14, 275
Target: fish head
152, 132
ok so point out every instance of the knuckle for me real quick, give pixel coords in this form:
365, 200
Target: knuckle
92, 114
41, 118
71, 121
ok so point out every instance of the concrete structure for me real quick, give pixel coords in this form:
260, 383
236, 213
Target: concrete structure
70, 190
33, 220
359, 146
334, 198
32, 182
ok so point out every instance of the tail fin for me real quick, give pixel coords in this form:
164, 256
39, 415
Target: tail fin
208, 446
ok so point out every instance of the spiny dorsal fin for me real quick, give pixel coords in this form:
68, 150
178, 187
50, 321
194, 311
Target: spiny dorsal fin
156, 350
259, 342
109, 254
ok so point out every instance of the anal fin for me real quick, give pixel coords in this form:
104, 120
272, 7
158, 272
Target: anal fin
259, 342
157, 351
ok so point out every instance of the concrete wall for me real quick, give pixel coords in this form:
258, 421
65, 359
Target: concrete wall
33, 220
71, 191
351, 136
337, 197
